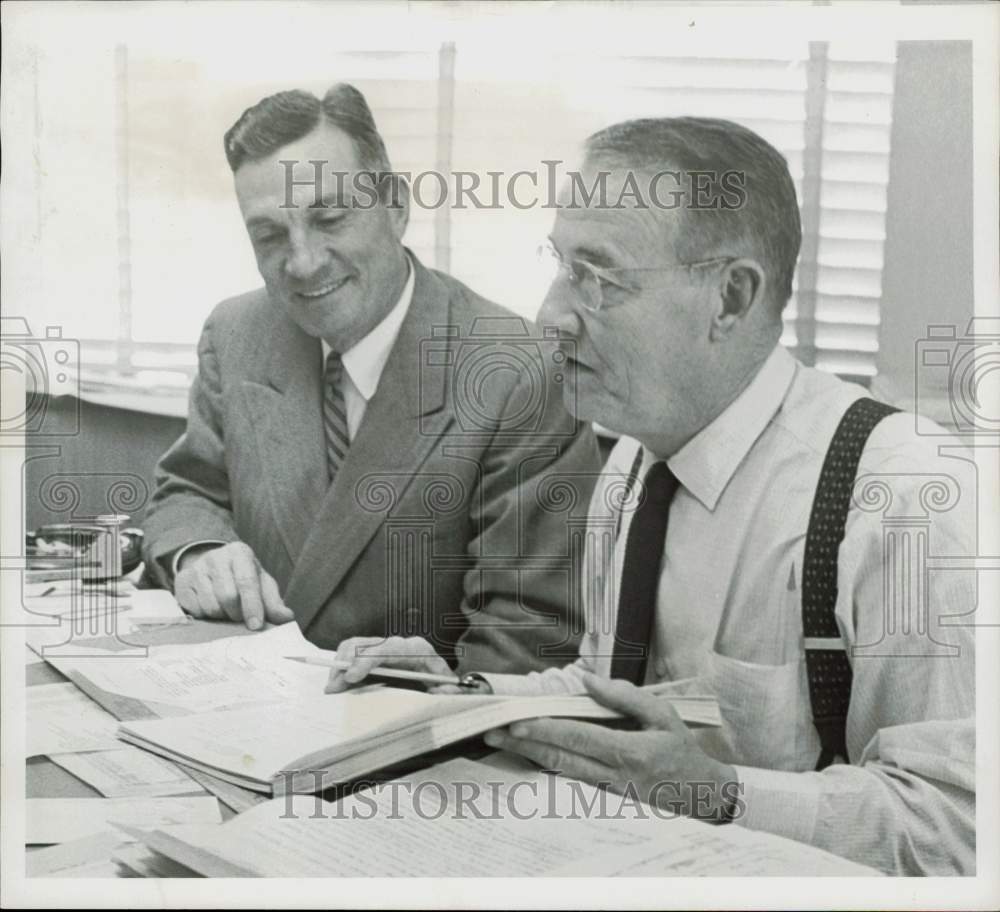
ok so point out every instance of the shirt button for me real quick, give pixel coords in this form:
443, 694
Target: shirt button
661, 669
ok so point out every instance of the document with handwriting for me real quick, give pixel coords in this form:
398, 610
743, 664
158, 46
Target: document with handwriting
455, 820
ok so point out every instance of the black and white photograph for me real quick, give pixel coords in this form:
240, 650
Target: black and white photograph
500, 455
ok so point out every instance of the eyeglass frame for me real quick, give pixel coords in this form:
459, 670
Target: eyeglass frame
602, 276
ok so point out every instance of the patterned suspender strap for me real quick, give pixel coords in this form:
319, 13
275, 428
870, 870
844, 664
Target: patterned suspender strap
826, 657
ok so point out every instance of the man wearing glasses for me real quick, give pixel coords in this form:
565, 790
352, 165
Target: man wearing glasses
737, 562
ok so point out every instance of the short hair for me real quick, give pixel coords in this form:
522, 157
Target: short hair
768, 219
285, 117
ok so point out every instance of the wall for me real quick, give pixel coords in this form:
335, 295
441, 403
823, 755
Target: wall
927, 273
112, 446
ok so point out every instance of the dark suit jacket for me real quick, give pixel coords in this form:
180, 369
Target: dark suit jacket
455, 512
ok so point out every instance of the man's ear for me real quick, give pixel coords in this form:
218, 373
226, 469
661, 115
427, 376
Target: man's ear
741, 288
395, 192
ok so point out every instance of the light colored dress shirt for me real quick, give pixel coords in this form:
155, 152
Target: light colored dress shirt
363, 366
729, 619
365, 361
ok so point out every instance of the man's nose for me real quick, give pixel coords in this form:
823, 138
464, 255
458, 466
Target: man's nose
305, 258
557, 310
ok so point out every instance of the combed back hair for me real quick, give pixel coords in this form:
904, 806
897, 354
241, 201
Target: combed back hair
285, 117
766, 226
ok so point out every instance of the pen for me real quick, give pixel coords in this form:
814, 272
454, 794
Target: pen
400, 673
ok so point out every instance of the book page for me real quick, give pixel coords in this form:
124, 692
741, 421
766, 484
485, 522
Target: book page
258, 742
469, 819
246, 670
459, 818
718, 852
392, 839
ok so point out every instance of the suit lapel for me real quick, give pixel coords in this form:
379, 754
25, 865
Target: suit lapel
286, 412
402, 424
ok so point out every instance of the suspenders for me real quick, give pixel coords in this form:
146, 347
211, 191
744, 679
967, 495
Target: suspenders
829, 671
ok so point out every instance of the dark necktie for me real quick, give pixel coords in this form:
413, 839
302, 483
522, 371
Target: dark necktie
334, 414
641, 575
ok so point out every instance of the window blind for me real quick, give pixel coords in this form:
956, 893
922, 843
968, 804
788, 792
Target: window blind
182, 247
855, 95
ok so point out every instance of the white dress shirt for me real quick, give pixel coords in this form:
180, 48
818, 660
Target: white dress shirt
365, 361
363, 366
729, 620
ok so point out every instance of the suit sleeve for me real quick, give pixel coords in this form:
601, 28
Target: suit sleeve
522, 600
191, 502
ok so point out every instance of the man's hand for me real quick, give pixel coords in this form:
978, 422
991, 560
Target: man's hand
228, 583
364, 654
661, 765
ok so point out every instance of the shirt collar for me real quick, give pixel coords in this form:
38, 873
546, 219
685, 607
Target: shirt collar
705, 463
365, 360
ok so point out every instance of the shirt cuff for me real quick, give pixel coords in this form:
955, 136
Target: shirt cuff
180, 552
510, 685
783, 803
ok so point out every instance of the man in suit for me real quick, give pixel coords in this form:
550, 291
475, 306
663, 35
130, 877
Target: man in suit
370, 444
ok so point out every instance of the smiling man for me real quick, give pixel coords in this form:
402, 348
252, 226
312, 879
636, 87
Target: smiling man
740, 564
366, 437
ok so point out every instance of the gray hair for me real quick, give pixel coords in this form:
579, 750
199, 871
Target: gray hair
767, 222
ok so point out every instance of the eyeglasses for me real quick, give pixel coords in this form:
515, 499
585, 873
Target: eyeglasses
590, 281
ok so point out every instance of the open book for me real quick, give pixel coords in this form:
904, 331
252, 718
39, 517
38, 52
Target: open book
307, 745
497, 818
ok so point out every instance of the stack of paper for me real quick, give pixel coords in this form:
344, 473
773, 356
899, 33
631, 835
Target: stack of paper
315, 743
403, 829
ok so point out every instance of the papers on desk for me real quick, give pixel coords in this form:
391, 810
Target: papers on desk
55, 820
89, 614
127, 772
245, 670
135, 860
86, 857
389, 832
61, 720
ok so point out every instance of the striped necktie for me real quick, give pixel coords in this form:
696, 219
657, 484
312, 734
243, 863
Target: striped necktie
334, 414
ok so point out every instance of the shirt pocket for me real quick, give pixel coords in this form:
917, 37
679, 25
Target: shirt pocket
766, 721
